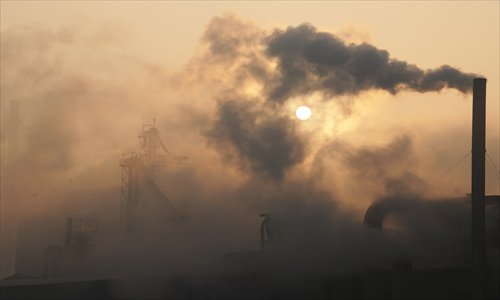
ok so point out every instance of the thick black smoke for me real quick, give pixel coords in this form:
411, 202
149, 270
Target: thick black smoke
310, 60
262, 140
251, 131
292, 63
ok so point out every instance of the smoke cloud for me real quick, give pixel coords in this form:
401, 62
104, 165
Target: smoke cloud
262, 139
275, 66
310, 60
225, 114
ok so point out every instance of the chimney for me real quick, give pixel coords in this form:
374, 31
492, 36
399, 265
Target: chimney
478, 189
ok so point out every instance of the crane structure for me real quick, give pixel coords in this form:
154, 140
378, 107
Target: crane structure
138, 184
76, 256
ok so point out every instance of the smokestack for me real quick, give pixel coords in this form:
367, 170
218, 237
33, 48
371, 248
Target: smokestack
478, 176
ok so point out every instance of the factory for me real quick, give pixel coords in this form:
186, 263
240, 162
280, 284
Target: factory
72, 270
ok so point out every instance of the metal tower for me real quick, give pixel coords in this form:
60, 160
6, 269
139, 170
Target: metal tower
138, 179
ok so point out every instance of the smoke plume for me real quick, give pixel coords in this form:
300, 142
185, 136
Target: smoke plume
226, 113
262, 139
310, 60
273, 67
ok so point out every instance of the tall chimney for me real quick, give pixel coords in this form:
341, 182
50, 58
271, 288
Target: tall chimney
478, 156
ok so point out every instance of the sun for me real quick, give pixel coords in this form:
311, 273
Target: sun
303, 113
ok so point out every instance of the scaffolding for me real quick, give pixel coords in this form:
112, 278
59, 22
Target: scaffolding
76, 256
139, 171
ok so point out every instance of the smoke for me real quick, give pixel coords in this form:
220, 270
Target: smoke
310, 60
277, 66
372, 162
262, 140
226, 113
78, 108
422, 224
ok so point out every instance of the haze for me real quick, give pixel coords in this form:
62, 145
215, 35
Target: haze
388, 83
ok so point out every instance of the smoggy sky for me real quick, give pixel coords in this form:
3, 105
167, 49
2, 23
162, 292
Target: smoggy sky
387, 83
166, 35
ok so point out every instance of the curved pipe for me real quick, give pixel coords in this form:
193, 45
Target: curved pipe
375, 214
442, 210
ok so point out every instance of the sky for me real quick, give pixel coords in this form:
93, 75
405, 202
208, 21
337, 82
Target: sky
223, 85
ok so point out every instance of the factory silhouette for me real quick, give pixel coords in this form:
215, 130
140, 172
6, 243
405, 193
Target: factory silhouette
69, 271
272, 235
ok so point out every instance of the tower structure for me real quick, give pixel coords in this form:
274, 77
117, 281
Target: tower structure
139, 171
478, 186
76, 256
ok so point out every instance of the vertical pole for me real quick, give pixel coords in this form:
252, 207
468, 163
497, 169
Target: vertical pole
478, 186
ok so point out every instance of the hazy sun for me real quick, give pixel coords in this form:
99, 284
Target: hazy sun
303, 113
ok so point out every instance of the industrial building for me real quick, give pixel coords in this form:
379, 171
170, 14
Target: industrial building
69, 271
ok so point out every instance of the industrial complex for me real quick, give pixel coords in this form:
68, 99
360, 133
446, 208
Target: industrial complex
72, 271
